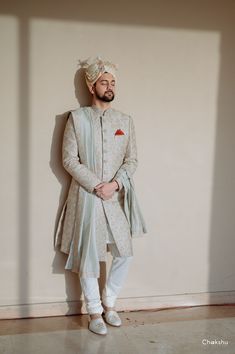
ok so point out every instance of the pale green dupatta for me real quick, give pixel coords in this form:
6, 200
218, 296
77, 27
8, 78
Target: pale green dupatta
131, 207
83, 256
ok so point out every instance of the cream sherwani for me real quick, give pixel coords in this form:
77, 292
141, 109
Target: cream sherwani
114, 155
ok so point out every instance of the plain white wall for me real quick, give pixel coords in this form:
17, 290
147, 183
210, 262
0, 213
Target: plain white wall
175, 80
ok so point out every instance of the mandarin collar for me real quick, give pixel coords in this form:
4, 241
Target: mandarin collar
100, 111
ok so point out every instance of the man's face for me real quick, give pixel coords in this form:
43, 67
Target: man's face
104, 88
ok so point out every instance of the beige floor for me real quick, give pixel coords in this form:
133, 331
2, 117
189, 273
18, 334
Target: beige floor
195, 330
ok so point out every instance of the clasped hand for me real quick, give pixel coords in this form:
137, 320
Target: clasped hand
106, 190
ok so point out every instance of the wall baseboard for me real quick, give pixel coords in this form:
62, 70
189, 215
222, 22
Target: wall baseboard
66, 308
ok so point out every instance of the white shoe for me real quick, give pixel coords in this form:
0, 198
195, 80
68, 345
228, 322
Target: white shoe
98, 326
112, 318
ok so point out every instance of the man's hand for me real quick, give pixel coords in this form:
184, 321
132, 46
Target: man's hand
106, 190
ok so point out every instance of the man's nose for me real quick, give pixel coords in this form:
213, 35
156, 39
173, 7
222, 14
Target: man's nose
109, 85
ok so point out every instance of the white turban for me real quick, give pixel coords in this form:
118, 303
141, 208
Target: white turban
94, 68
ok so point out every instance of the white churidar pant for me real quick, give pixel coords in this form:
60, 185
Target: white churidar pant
116, 277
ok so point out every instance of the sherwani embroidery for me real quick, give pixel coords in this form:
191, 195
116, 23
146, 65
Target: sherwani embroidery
115, 156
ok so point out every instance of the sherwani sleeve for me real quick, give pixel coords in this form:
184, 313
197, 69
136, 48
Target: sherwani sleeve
130, 160
71, 161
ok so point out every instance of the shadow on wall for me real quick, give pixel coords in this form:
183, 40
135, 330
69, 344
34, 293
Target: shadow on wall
84, 98
199, 15
72, 284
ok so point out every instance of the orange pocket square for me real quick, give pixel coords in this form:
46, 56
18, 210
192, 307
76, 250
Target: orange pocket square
119, 132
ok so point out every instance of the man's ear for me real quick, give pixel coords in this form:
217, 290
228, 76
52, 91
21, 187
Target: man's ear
91, 89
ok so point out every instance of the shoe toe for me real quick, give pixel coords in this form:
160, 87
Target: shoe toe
98, 326
112, 318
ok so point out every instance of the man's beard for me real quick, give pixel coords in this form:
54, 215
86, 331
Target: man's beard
106, 96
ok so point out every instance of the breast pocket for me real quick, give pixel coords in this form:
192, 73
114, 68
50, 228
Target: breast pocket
120, 143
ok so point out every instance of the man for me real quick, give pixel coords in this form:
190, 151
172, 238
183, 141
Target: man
101, 212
